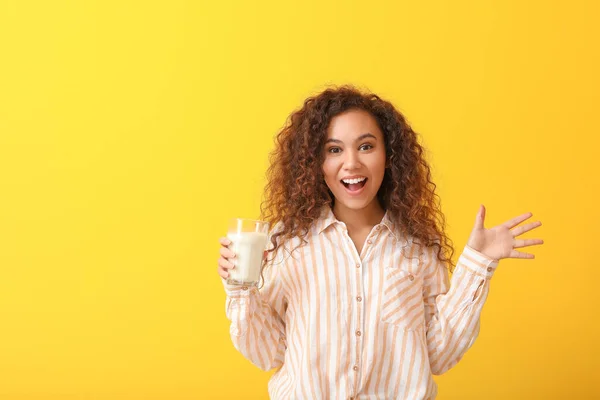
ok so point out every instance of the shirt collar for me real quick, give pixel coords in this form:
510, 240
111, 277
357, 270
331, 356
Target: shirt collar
327, 219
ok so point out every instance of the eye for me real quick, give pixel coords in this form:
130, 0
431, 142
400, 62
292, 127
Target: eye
366, 145
331, 150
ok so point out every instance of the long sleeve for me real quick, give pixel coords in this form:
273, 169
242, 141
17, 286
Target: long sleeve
452, 312
257, 320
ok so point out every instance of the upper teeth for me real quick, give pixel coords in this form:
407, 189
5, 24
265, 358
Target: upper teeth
356, 180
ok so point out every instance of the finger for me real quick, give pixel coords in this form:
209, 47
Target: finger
517, 254
224, 263
222, 274
265, 254
224, 241
480, 218
227, 253
517, 220
527, 242
526, 228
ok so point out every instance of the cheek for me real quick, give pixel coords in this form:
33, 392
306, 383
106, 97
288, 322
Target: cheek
379, 163
330, 180
328, 171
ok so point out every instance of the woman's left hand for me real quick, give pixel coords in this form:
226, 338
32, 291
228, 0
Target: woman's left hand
500, 241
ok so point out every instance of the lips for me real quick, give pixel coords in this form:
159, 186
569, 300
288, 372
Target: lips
355, 189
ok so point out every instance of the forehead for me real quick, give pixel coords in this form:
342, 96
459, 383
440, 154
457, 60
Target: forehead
353, 123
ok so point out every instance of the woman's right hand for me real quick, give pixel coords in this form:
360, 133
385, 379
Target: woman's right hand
225, 261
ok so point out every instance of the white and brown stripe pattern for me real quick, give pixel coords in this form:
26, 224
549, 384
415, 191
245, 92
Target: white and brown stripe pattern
343, 325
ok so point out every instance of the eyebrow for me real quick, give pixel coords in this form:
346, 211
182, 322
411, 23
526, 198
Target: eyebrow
358, 139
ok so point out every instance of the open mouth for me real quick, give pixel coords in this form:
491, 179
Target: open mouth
355, 187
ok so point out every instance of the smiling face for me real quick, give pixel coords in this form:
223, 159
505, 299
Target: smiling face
354, 160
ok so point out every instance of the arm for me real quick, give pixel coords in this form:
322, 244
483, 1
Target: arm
452, 312
258, 319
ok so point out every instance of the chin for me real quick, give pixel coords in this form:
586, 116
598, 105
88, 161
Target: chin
354, 205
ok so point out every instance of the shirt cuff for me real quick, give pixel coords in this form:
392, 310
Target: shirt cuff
478, 263
237, 291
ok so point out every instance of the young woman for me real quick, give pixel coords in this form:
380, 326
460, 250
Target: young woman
356, 300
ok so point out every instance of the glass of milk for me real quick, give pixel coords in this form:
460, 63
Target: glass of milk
248, 242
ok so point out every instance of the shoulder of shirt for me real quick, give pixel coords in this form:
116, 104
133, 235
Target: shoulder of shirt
284, 247
424, 252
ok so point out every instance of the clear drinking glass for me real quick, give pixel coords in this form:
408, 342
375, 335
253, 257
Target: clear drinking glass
248, 241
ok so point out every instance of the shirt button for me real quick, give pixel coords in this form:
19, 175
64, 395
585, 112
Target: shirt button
369, 242
378, 227
244, 287
358, 333
412, 278
489, 269
355, 368
359, 298
357, 265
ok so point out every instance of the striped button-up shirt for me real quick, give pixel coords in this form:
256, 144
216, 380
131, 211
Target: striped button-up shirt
344, 325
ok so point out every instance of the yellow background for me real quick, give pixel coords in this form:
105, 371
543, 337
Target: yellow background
130, 132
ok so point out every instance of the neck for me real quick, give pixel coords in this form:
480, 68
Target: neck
365, 218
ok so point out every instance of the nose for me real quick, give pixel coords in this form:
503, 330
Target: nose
352, 160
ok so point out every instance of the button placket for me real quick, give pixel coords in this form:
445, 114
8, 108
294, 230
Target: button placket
358, 309
359, 276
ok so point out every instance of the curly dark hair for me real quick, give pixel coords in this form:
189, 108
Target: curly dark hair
296, 191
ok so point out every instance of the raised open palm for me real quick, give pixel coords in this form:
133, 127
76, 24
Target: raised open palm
500, 241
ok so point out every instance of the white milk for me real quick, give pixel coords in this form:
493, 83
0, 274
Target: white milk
249, 248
